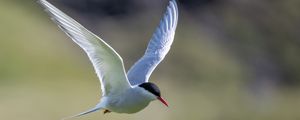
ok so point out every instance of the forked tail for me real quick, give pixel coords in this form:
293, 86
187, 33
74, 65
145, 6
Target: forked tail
96, 108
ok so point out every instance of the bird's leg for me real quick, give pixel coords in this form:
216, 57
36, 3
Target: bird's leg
106, 111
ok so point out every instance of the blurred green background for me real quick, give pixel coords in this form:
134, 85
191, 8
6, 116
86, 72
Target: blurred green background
231, 60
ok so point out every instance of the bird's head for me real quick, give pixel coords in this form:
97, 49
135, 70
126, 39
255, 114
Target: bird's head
153, 92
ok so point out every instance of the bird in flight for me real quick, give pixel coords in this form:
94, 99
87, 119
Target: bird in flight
121, 92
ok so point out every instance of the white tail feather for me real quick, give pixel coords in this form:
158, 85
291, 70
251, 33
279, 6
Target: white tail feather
84, 113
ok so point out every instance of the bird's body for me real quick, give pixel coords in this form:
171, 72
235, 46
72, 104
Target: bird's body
130, 101
121, 92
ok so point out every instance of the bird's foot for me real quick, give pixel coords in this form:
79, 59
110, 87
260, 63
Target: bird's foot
106, 111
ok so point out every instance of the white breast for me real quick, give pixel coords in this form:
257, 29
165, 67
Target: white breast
131, 101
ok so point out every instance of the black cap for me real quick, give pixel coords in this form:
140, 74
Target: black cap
151, 87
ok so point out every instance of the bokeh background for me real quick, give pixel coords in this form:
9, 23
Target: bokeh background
231, 59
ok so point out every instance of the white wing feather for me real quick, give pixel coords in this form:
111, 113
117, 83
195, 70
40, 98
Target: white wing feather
158, 47
106, 61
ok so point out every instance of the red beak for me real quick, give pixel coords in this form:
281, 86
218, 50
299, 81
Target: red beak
163, 101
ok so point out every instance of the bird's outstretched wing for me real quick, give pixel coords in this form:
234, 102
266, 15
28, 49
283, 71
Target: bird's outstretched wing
158, 47
106, 61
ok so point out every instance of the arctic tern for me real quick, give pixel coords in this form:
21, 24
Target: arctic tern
121, 93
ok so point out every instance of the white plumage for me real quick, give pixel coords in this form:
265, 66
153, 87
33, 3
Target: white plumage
120, 94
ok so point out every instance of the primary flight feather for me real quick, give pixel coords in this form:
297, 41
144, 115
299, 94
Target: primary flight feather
158, 47
119, 93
